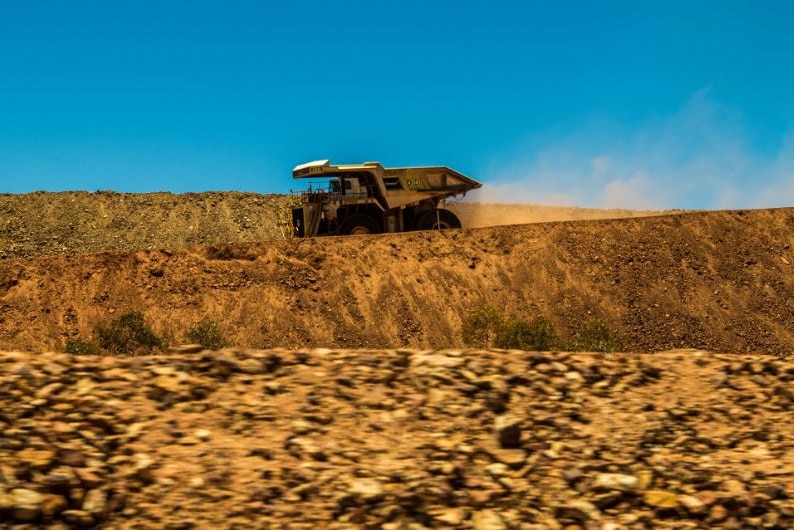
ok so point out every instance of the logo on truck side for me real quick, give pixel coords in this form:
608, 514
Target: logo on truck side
413, 183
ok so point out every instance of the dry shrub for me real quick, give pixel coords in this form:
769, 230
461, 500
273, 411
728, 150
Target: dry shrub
208, 333
597, 335
129, 334
518, 334
81, 346
480, 326
484, 327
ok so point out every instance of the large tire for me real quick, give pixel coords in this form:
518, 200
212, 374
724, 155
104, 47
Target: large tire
359, 224
439, 220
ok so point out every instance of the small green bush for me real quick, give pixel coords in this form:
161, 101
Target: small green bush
129, 334
518, 334
80, 346
207, 333
596, 335
481, 326
484, 327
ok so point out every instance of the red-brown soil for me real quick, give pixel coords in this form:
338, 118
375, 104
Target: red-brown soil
720, 281
384, 438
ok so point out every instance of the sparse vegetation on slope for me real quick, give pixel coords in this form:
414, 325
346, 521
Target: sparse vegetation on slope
81, 346
484, 327
208, 333
129, 334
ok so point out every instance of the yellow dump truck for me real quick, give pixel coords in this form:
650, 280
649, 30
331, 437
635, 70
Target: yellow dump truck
370, 199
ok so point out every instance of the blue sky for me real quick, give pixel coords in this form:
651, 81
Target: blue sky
655, 104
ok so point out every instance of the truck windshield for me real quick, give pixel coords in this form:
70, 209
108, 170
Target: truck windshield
335, 187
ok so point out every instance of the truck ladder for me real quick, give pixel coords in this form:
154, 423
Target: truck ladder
314, 212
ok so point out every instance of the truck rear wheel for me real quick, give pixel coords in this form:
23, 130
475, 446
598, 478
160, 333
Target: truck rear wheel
359, 224
439, 220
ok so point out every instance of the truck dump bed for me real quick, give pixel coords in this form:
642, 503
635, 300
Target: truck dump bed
398, 185
406, 185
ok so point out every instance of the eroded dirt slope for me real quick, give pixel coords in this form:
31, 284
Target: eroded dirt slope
393, 440
721, 281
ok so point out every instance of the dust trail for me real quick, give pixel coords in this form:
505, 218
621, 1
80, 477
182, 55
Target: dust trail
478, 215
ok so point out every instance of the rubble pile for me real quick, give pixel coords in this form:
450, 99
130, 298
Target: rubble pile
396, 439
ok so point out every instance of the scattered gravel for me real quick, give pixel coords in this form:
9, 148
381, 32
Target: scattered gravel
396, 439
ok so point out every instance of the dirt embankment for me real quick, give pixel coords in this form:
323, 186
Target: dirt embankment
392, 440
45, 223
720, 281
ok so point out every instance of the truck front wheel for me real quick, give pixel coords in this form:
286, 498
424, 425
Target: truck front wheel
359, 224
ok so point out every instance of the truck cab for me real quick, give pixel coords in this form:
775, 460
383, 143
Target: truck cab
349, 187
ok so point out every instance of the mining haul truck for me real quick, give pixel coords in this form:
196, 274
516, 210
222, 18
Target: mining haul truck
370, 199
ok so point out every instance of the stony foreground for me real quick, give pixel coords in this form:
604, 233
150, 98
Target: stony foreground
396, 440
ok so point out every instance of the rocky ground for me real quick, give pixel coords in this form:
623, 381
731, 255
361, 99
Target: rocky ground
396, 439
79, 222
258, 436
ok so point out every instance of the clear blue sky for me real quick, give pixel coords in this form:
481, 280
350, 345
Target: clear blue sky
659, 104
